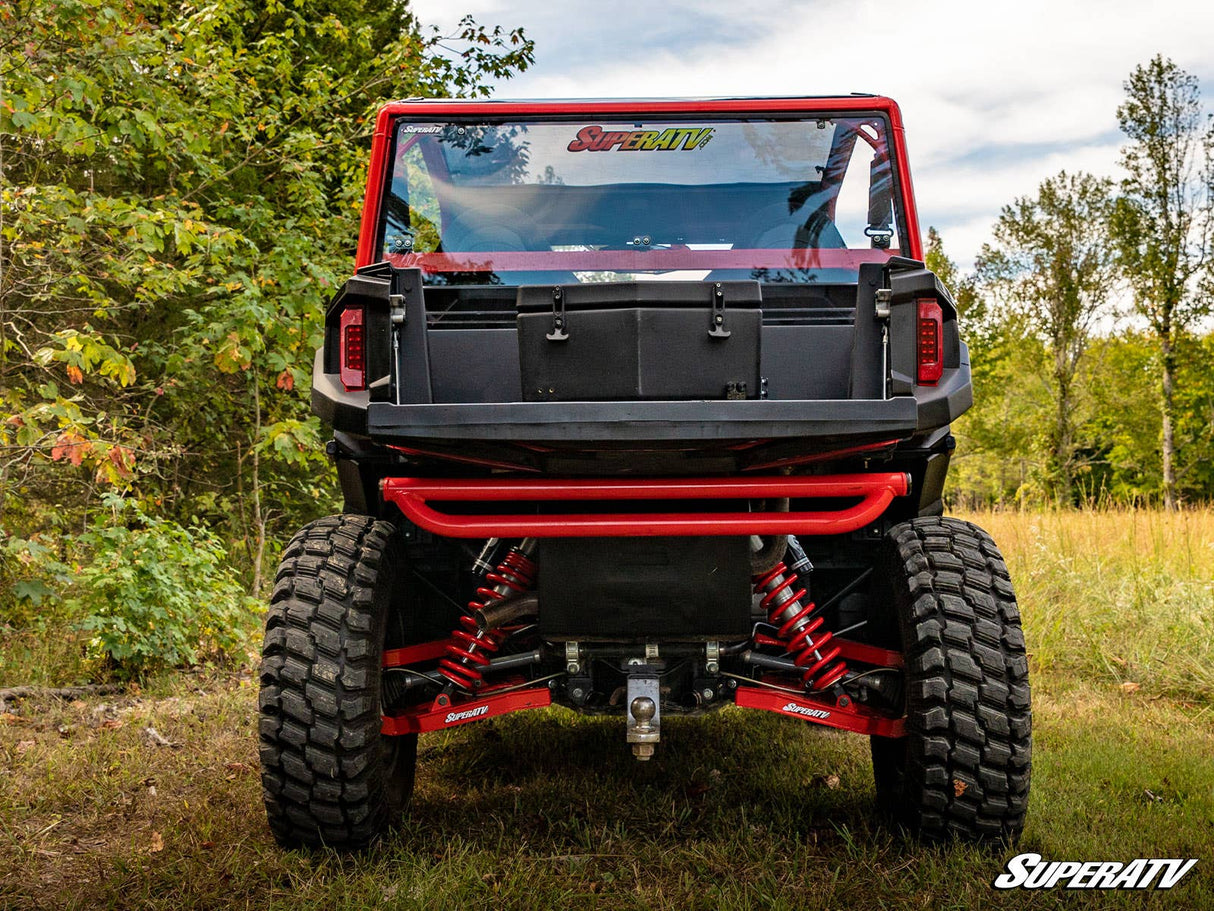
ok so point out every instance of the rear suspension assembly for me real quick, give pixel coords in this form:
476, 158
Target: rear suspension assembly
797, 628
470, 646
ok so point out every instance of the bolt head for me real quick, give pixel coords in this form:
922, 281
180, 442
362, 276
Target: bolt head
712, 667
708, 694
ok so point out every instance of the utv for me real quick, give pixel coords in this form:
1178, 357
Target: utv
615, 387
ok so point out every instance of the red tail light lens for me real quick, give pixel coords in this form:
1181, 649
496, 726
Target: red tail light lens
930, 342
353, 349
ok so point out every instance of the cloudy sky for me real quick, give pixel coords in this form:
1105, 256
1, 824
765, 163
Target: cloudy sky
996, 97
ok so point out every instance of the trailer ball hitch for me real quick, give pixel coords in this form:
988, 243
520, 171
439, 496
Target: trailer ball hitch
644, 718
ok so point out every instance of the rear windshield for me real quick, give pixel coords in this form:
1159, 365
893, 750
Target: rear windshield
558, 202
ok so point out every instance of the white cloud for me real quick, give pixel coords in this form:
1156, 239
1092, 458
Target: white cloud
995, 98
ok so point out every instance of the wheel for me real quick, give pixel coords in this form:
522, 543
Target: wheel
962, 770
329, 776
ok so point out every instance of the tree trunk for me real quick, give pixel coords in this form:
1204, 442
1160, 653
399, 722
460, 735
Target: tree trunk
1168, 446
259, 518
1063, 482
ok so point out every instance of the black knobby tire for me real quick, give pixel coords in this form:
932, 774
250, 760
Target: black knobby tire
329, 776
962, 770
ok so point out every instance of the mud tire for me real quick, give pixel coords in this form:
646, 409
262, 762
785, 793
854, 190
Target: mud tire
329, 776
962, 770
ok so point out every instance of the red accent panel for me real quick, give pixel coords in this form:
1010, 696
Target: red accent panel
415, 654
868, 654
875, 491
855, 718
821, 456
466, 459
430, 718
636, 261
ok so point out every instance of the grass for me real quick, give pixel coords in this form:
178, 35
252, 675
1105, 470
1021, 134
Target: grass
739, 810
1120, 596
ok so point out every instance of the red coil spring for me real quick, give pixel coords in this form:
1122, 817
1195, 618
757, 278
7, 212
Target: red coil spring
797, 630
470, 647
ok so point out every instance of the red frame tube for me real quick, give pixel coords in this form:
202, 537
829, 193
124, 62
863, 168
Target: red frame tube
875, 492
415, 654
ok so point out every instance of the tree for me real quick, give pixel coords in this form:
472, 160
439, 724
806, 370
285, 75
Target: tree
964, 291
978, 324
1162, 221
179, 195
1053, 266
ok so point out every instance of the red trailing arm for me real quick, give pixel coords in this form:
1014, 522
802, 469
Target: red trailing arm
436, 716
835, 714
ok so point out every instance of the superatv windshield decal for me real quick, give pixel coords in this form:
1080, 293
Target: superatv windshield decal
595, 138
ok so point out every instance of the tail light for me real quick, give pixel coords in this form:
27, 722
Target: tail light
930, 341
353, 349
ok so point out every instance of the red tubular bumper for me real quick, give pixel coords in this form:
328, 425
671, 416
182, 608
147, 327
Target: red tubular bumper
875, 491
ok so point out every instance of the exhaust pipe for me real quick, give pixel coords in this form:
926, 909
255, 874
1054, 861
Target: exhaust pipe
506, 610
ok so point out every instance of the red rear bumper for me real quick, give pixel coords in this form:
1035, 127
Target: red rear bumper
873, 492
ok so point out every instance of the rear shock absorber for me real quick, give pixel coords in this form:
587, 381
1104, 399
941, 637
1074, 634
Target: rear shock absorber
470, 647
789, 610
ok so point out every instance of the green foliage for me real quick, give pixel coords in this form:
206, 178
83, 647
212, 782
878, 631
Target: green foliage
180, 196
31, 576
1163, 222
1052, 270
156, 594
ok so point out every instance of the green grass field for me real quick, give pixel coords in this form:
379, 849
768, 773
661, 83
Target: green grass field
739, 810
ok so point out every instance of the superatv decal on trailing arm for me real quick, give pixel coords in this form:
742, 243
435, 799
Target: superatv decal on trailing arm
453, 717
793, 709
594, 138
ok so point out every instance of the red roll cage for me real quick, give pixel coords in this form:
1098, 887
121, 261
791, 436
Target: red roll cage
424, 110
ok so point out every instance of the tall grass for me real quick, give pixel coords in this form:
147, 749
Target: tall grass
740, 810
1118, 595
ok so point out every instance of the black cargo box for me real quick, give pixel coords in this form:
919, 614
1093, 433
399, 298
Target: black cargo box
619, 341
